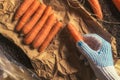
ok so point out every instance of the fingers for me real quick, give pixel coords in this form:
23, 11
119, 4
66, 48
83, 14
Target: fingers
106, 48
96, 42
93, 37
93, 40
82, 46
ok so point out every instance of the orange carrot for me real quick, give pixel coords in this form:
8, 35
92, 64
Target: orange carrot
23, 7
96, 8
27, 15
117, 4
50, 36
28, 26
44, 32
74, 33
33, 33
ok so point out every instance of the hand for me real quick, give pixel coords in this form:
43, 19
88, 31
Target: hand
99, 54
96, 49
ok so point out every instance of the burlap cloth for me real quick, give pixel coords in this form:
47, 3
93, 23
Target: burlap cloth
60, 61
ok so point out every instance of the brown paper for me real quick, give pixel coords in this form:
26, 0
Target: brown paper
60, 61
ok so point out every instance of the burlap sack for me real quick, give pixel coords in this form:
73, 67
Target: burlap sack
60, 61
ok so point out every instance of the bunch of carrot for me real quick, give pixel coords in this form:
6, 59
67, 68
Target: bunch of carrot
97, 8
38, 23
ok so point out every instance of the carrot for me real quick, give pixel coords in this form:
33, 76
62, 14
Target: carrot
27, 15
33, 33
28, 26
117, 4
50, 36
74, 33
96, 8
42, 35
23, 7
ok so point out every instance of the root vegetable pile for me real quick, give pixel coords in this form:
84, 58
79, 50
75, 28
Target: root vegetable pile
38, 23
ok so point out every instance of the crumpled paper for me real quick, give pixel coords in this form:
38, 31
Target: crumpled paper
60, 61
